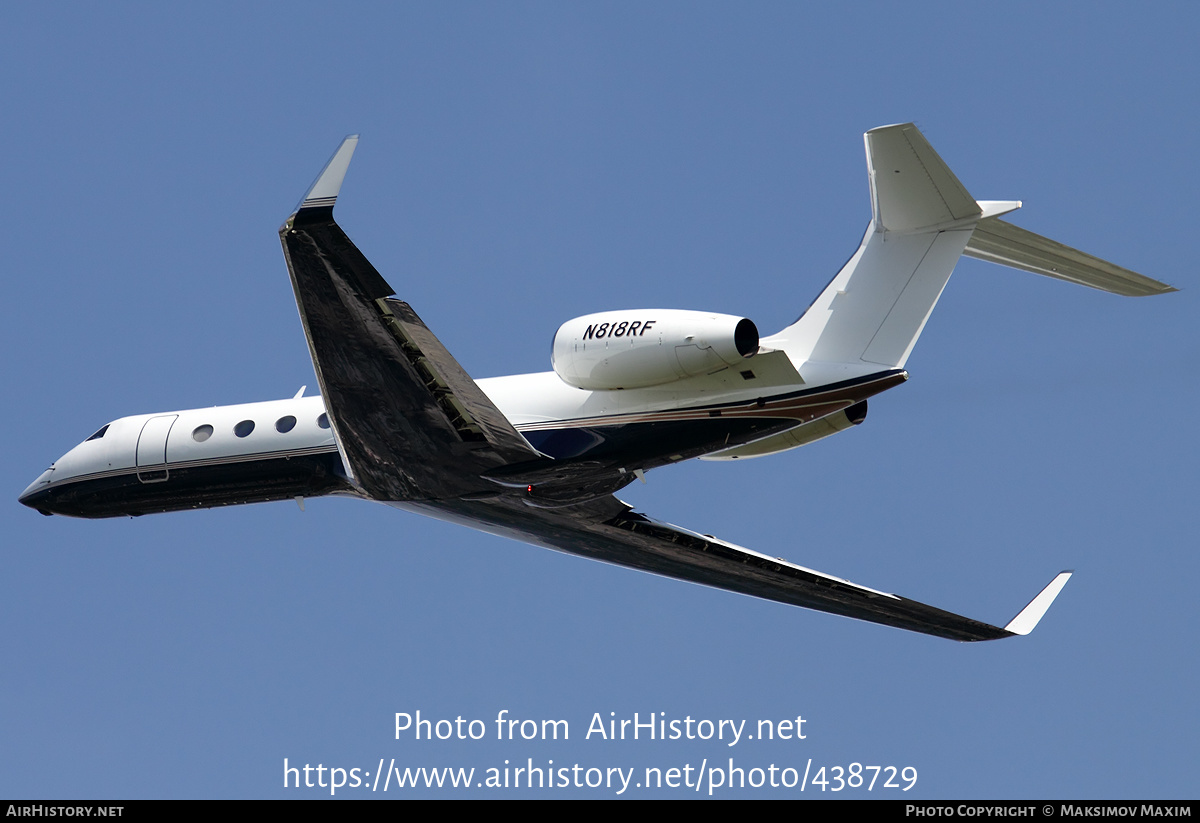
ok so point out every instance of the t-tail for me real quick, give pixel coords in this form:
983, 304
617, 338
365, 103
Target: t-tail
922, 220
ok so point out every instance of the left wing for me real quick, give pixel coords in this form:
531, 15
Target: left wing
410, 423
416, 431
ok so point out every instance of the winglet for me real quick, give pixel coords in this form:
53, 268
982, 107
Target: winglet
324, 192
1025, 622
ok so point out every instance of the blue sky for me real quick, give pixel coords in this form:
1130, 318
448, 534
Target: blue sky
523, 164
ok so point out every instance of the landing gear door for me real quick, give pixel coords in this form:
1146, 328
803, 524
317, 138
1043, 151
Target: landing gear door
152, 448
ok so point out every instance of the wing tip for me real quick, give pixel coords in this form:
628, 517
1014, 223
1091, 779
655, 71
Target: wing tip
323, 193
1167, 288
1028, 618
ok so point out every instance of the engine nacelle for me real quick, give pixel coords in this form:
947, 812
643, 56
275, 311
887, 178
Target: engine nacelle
648, 347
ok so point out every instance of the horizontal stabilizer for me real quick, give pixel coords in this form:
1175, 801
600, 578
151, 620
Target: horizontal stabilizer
1006, 244
1025, 622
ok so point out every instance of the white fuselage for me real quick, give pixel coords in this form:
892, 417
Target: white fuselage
161, 448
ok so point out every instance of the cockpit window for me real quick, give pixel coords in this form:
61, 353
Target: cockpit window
244, 428
100, 433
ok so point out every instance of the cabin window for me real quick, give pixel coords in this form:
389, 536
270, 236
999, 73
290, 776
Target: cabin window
202, 433
285, 424
323, 420
100, 433
244, 428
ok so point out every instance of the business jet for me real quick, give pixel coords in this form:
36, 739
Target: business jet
538, 457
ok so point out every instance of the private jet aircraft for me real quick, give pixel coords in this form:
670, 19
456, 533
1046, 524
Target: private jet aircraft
538, 457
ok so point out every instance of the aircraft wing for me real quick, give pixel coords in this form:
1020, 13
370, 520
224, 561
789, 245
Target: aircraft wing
409, 421
609, 530
416, 431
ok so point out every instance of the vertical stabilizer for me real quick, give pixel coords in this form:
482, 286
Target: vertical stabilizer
872, 312
922, 220
912, 189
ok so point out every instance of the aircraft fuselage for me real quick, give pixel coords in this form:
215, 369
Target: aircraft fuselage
200, 458
285, 449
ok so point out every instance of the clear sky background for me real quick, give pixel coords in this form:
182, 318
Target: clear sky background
523, 164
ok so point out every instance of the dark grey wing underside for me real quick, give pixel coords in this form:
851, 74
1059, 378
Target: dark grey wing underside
415, 430
609, 530
410, 422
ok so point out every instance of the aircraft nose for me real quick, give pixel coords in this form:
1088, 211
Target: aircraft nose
36, 495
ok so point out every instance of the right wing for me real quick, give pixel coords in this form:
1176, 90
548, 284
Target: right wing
609, 530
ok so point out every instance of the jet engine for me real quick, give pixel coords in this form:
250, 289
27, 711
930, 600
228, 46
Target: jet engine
649, 347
